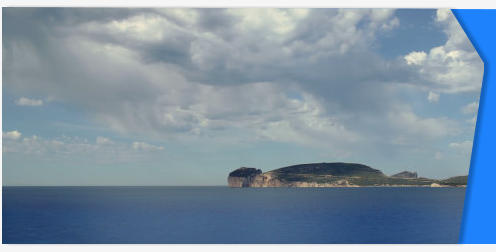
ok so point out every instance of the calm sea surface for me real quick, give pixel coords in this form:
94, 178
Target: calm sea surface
231, 215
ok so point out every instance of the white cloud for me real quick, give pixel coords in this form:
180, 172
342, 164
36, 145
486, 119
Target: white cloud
306, 123
272, 21
443, 15
438, 155
472, 120
464, 147
415, 58
168, 101
146, 27
13, 135
69, 148
146, 146
433, 97
23, 101
407, 123
308, 77
450, 68
103, 140
470, 108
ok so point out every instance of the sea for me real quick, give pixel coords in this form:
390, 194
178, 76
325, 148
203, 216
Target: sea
223, 215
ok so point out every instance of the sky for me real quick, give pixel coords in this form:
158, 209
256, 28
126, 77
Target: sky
184, 96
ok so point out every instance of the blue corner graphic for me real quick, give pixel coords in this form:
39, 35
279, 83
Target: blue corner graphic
479, 216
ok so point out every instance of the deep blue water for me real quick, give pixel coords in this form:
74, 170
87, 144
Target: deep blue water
231, 215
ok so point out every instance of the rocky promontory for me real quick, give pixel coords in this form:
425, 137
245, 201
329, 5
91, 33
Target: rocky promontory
332, 175
243, 177
405, 174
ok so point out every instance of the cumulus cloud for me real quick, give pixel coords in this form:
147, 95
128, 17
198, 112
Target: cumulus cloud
433, 97
13, 135
453, 67
23, 101
416, 58
443, 15
305, 76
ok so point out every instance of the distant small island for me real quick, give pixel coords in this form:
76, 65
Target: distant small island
334, 175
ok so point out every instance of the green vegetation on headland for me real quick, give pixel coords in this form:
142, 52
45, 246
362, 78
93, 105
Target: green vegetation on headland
332, 175
454, 181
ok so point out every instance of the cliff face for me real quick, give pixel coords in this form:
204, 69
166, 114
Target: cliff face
305, 175
243, 177
269, 179
331, 175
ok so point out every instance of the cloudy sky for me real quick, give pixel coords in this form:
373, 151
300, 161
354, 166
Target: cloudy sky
183, 96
